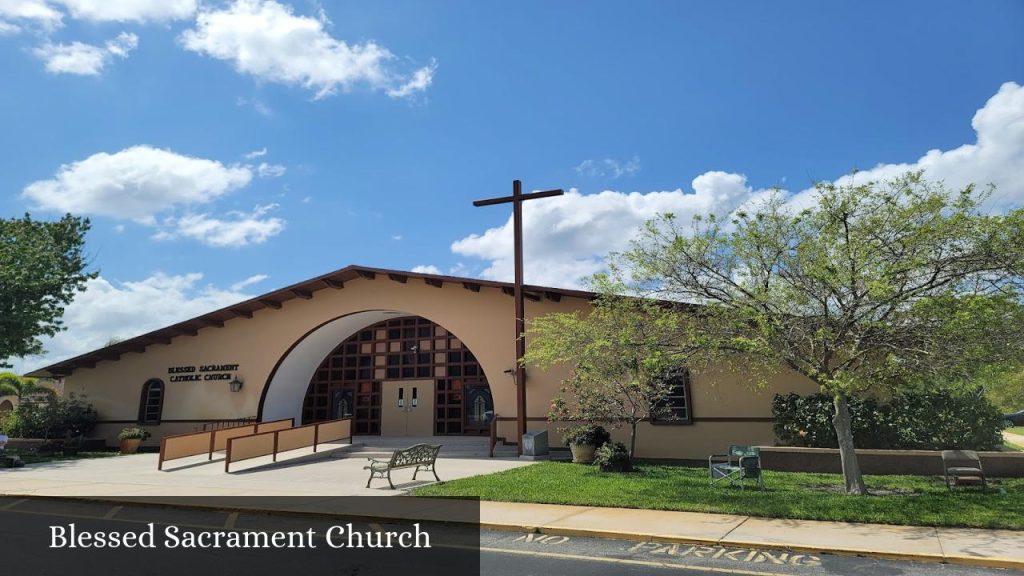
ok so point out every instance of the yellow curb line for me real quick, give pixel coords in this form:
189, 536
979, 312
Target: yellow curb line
989, 562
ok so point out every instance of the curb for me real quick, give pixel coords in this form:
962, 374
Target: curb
975, 561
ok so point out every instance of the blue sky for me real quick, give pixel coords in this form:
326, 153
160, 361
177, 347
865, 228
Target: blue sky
380, 122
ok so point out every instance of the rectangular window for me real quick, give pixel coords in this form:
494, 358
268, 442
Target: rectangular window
675, 407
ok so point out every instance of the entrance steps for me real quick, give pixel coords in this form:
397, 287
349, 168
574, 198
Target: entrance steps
452, 446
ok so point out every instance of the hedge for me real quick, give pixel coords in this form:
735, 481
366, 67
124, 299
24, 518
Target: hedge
910, 421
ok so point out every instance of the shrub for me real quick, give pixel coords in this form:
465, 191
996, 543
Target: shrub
133, 433
587, 434
613, 458
938, 420
50, 417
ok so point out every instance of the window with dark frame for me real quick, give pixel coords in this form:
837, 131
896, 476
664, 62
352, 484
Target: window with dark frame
151, 405
675, 407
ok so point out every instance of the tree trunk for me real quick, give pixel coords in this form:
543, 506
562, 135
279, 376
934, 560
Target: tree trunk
632, 439
844, 432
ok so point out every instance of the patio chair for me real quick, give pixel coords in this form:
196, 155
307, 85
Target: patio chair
741, 463
957, 464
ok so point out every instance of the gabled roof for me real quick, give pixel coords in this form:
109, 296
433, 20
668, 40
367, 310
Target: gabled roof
333, 280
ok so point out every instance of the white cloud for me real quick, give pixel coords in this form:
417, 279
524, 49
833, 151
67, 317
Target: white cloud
254, 279
136, 183
256, 154
396, 237
257, 105
567, 237
108, 309
608, 167
242, 229
426, 269
36, 13
7, 28
138, 11
266, 170
266, 40
996, 156
419, 82
85, 59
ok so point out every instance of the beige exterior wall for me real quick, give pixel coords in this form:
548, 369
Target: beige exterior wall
482, 320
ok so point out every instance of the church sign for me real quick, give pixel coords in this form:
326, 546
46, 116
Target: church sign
202, 372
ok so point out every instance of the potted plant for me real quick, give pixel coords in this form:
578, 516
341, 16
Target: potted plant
584, 440
131, 438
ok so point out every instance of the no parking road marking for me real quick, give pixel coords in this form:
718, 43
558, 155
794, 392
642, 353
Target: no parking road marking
745, 555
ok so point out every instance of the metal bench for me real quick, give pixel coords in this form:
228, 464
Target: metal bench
420, 456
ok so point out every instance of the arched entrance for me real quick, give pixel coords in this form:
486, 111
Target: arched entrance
402, 376
292, 379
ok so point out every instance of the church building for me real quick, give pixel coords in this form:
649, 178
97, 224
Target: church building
401, 353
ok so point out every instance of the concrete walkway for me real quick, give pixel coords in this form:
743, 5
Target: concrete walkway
339, 474
1013, 438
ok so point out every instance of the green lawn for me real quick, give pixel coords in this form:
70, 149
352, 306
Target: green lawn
912, 500
1018, 430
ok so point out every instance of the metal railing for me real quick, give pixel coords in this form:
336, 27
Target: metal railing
275, 442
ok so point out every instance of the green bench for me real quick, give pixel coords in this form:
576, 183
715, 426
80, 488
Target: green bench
420, 456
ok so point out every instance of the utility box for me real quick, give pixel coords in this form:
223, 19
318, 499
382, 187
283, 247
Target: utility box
535, 445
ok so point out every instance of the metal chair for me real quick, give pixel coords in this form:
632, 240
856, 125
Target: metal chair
957, 464
741, 463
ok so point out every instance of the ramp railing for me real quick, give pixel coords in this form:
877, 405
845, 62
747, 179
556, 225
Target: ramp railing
210, 441
274, 442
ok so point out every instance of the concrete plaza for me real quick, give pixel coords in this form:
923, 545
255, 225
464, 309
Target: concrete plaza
336, 471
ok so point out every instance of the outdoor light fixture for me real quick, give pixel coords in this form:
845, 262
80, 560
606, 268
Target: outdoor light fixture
235, 384
512, 372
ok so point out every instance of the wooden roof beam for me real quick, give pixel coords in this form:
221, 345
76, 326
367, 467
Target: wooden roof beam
205, 320
271, 303
400, 278
332, 283
471, 286
304, 294
553, 296
366, 274
240, 312
434, 282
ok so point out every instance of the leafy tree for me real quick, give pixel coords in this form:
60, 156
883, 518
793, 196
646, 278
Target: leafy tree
618, 351
13, 385
896, 283
1004, 386
41, 269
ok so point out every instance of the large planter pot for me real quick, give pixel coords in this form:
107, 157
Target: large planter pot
582, 453
130, 445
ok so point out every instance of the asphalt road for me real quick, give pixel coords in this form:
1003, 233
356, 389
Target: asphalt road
26, 547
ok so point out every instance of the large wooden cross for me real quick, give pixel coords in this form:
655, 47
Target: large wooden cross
516, 199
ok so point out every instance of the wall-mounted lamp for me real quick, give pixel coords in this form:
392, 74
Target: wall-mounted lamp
512, 372
235, 384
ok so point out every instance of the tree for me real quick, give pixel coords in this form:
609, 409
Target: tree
13, 385
41, 269
883, 284
620, 352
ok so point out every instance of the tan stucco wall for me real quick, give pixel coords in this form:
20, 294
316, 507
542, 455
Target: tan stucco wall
482, 320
